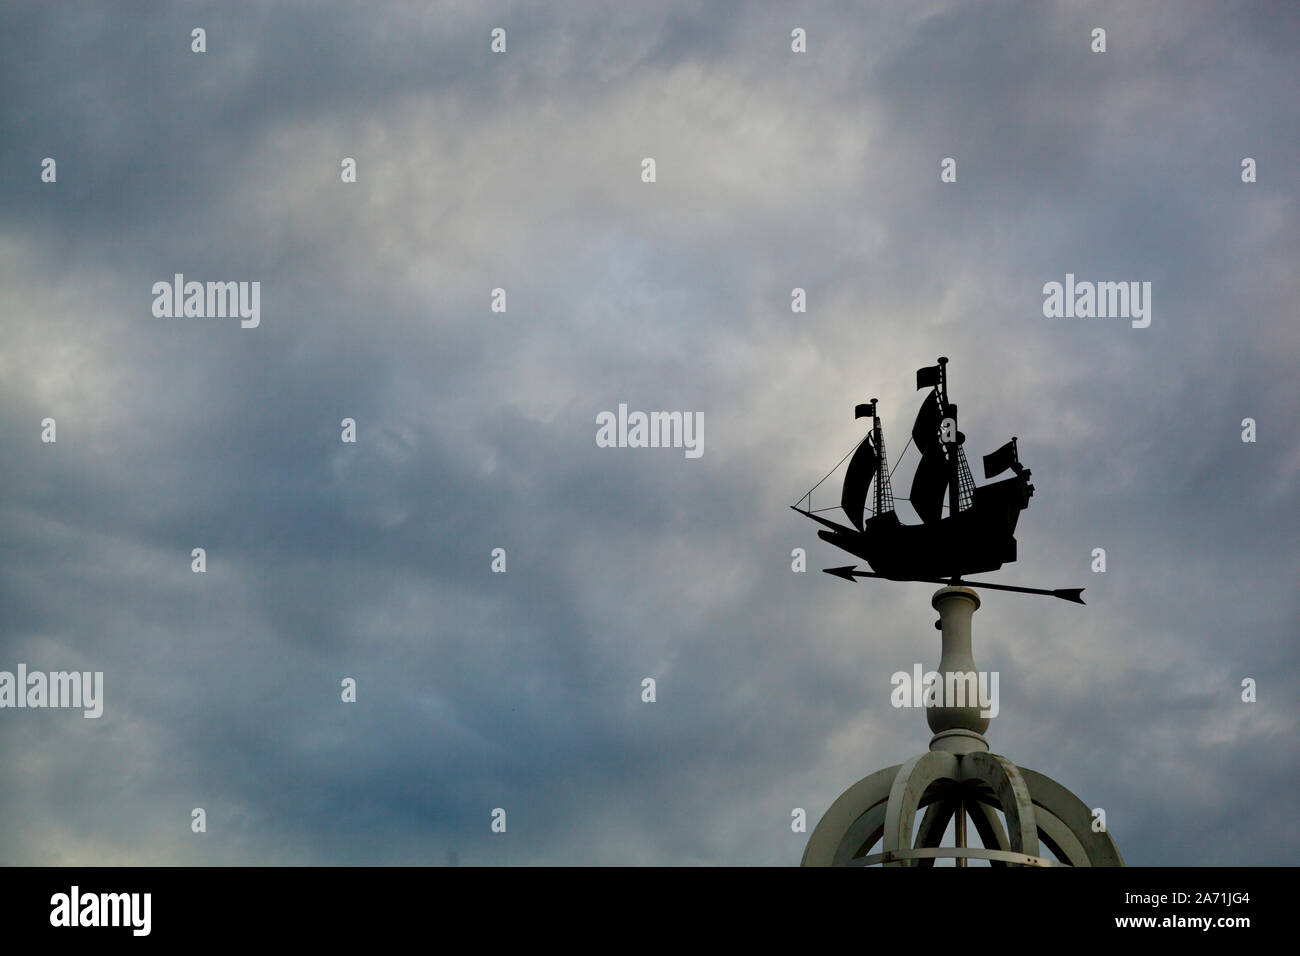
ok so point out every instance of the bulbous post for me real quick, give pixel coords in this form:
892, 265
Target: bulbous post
957, 729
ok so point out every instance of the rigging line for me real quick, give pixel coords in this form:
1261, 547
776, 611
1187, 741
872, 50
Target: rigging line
832, 471
898, 459
817, 511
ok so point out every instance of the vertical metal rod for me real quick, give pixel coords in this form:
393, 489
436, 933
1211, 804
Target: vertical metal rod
949, 448
875, 430
961, 828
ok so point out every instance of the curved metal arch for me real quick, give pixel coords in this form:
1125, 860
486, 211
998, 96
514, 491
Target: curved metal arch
861, 836
1052, 832
935, 821
912, 782
853, 804
867, 829
1075, 815
933, 825
1012, 793
992, 834
1059, 839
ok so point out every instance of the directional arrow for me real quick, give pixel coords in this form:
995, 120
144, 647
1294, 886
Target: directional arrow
847, 573
851, 573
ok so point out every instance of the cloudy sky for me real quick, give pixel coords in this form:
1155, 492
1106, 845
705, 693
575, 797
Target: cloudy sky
476, 430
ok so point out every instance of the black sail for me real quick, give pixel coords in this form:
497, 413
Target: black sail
862, 468
930, 483
925, 433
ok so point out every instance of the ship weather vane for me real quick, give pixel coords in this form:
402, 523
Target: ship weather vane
976, 535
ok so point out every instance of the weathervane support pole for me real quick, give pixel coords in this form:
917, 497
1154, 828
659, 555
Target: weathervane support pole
957, 722
961, 827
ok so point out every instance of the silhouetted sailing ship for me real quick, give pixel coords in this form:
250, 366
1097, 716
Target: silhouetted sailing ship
977, 533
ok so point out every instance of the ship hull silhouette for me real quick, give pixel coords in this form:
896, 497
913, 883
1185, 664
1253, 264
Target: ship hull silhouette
981, 538
977, 534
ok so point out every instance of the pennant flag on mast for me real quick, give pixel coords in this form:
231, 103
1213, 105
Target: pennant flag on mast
999, 461
927, 377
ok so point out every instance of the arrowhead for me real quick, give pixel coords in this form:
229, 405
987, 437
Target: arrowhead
845, 572
1070, 594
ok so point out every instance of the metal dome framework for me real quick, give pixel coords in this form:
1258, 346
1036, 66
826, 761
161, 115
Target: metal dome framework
958, 781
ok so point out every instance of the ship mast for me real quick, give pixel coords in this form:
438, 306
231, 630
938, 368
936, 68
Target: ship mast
875, 430
950, 448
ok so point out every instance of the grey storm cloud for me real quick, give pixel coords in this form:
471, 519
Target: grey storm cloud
477, 429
